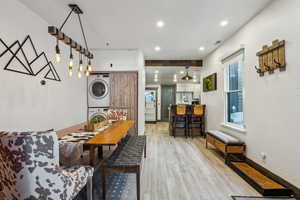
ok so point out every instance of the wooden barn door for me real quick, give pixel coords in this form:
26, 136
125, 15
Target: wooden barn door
124, 95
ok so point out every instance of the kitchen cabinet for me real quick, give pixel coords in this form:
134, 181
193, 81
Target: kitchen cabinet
189, 87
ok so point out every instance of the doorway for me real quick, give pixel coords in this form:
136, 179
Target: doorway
167, 99
151, 104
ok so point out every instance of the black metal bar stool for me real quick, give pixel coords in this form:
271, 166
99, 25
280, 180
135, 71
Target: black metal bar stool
180, 120
196, 120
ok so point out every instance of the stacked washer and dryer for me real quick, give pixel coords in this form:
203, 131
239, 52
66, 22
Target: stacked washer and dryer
98, 95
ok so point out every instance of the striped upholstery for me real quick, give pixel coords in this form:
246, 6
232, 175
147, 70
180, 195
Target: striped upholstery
128, 154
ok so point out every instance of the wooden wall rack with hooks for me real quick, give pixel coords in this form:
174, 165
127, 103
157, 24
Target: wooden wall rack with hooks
271, 58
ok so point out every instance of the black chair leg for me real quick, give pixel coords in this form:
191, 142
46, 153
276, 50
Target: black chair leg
174, 126
138, 187
145, 150
103, 184
187, 127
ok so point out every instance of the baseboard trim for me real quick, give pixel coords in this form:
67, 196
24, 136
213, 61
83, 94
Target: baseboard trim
275, 177
150, 122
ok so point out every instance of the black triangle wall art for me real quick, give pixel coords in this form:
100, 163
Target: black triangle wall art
19, 62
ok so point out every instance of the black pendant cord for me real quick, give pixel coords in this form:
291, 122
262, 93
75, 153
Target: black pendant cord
63, 24
86, 45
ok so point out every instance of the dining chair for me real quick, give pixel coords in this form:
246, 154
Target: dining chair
29, 168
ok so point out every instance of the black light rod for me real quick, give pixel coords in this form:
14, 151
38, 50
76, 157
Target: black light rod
86, 45
66, 19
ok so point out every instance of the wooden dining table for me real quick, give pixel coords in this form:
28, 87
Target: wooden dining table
110, 136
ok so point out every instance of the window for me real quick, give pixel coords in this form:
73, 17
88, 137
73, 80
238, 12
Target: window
234, 97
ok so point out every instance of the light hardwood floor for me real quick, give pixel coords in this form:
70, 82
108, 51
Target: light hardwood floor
183, 169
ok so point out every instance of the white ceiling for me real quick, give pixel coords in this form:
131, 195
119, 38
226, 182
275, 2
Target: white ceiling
166, 75
131, 24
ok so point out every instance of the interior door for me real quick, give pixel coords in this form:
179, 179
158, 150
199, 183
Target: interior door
168, 99
124, 95
150, 105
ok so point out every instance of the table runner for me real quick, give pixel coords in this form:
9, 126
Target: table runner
71, 146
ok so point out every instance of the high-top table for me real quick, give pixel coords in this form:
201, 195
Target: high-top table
110, 136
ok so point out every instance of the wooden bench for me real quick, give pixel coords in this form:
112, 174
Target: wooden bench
225, 143
126, 158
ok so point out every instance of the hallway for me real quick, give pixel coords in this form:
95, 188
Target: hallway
182, 169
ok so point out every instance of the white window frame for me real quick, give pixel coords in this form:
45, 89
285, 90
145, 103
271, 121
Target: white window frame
239, 57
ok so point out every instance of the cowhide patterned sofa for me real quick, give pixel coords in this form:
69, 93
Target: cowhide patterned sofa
29, 169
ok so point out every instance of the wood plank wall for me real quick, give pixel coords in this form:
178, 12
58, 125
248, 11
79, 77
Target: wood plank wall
124, 94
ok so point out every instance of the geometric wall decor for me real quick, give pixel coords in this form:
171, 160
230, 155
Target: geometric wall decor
23, 58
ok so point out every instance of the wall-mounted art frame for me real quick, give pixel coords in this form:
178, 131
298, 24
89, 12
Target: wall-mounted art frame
210, 83
22, 57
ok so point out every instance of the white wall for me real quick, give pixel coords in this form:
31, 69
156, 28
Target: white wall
158, 98
123, 60
271, 102
24, 103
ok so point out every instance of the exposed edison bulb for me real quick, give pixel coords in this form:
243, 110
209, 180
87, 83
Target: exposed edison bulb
57, 58
87, 73
70, 72
80, 69
57, 54
71, 62
90, 66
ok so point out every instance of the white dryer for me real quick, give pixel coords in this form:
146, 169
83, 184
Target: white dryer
99, 90
98, 114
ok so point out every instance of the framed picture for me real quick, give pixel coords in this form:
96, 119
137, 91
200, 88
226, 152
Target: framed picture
210, 83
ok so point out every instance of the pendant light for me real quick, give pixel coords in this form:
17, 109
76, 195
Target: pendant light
87, 73
57, 53
187, 77
70, 72
59, 35
71, 63
80, 67
79, 74
89, 68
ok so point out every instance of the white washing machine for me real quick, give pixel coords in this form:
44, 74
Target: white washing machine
99, 90
98, 114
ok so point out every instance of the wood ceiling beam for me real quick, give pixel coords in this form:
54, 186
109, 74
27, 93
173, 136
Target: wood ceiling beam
174, 63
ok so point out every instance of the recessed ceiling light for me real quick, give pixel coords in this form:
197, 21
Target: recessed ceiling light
160, 24
157, 48
195, 80
181, 72
224, 23
156, 76
175, 80
201, 48
155, 80
156, 71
